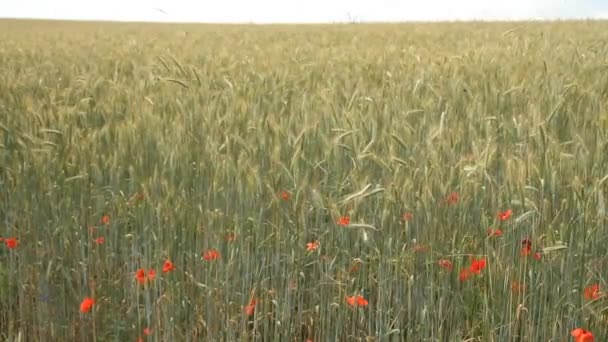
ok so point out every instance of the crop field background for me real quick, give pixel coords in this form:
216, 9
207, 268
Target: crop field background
360, 182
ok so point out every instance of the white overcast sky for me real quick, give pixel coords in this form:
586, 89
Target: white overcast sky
293, 11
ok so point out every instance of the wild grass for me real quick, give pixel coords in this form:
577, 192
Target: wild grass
187, 136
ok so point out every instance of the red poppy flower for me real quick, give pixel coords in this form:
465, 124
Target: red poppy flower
211, 254
344, 220
582, 335
444, 263
356, 265
142, 277
105, 219
452, 198
86, 304
168, 266
464, 274
11, 243
505, 215
356, 301
250, 308
312, 246
362, 301
147, 331
477, 265
100, 240
494, 232
284, 195
592, 292
526, 247
407, 216
538, 255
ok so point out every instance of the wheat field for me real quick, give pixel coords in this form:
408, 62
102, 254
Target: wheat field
348, 182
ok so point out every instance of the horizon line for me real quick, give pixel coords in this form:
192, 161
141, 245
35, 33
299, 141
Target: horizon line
339, 22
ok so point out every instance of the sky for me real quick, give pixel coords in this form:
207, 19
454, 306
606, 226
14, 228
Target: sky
302, 11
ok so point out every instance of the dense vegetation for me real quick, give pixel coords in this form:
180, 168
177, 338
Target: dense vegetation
415, 182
